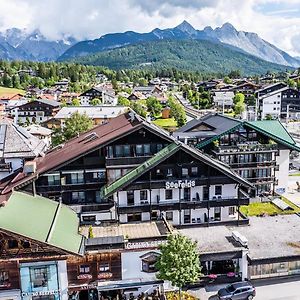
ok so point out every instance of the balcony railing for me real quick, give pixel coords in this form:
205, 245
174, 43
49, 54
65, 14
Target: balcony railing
253, 164
244, 148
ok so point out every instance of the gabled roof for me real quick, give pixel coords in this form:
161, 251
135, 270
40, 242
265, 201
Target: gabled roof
218, 123
275, 130
42, 220
161, 156
270, 128
15, 141
87, 142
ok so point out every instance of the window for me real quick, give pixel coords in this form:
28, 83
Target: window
169, 194
104, 267
126, 150
78, 197
39, 276
119, 151
130, 198
231, 210
84, 269
77, 178
147, 150
187, 194
139, 150
194, 171
169, 172
143, 195
54, 179
13, 244
218, 190
185, 172
148, 262
169, 216
4, 278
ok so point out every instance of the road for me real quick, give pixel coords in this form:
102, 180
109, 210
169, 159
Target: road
285, 289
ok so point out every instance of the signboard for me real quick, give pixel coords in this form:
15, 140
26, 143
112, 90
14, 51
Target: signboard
84, 276
180, 184
105, 275
141, 245
41, 293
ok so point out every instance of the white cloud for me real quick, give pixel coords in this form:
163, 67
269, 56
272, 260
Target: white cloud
92, 18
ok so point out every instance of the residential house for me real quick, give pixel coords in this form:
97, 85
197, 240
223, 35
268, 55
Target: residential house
36, 111
223, 99
41, 133
105, 95
99, 114
16, 147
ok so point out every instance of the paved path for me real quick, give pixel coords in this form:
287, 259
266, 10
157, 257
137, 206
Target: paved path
285, 289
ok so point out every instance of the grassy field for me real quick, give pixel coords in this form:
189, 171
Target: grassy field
4, 90
295, 174
165, 122
267, 208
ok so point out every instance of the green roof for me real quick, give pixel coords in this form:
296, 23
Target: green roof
275, 130
141, 169
43, 220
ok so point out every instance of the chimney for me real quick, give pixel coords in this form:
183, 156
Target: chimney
29, 167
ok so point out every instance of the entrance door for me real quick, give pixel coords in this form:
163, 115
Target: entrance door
217, 214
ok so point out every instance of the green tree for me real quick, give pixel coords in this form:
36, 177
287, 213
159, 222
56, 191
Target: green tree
76, 102
76, 124
239, 97
139, 109
268, 117
177, 111
123, 101
153, 106
291, 83
239, 108
227, 80
95, 102
179, 261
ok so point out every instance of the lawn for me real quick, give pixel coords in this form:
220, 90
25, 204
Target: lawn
165, 122
267, 208
295, 174
4, 90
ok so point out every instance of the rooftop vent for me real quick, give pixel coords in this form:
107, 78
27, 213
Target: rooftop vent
90, 137
240, 238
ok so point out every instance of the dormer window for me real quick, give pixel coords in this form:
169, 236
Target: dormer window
148, 262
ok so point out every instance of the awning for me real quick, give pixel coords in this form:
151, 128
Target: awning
220, 256
117, 285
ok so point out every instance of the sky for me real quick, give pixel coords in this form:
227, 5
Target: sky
277, 21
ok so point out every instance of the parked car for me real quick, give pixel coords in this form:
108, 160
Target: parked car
237, 291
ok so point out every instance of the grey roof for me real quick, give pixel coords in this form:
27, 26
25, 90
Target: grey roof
16, 141
214, 239
92, 111
217, 123
272, 237
49, 102
99, 241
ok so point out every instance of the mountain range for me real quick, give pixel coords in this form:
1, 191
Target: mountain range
17, 44
246, 42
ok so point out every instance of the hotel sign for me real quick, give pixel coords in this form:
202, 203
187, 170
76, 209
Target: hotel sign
141, 245
180, 184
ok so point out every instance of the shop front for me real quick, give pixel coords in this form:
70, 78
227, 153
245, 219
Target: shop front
44, 281
274, 268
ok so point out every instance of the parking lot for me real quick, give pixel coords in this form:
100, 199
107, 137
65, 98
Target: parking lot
283, 289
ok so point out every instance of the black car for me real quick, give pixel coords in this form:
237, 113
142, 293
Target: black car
237, 291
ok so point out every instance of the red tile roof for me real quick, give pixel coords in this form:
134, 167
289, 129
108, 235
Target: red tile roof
84, 143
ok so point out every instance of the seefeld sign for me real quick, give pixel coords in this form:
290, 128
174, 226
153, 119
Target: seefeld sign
180, 184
